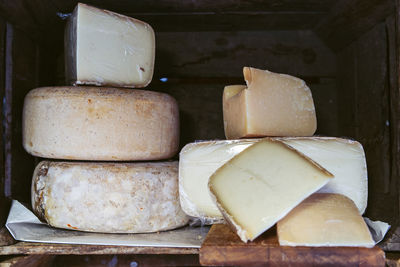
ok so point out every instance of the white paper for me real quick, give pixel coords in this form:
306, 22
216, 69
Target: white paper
378, 229
25, 226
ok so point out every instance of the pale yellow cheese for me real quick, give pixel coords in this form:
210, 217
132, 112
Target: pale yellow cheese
260, 185
344, 158
108, 197
272, 104
106, 48
94, 123
324, 220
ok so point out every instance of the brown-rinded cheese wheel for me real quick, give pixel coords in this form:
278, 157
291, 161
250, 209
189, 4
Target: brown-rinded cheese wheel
92, 123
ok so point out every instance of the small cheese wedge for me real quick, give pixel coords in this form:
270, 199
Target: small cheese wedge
324, 220
95, 123
106, 48
272, 104
344, 158
108, 197
260, 185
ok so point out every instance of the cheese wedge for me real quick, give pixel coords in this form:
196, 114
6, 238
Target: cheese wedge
324, 220
108, 197
259, 186
106, 48
272, 104
344, 158
94, 123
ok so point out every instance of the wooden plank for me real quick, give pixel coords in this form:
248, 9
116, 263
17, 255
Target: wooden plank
224, 54
222, 247
28, 261
67, 249
127, 260
170, 6
21, 77
349, 19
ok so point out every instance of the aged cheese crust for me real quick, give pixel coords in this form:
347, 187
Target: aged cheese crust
324, 220
91, 123
344, 158
272, 104
108, 197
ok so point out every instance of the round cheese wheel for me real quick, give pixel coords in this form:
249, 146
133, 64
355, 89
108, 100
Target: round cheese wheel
108, 197
93, 123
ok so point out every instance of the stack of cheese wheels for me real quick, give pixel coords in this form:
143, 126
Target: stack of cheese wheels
94, 123
272, 164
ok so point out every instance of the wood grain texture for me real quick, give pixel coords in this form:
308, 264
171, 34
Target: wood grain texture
127, 260
349, 19
222, 247
68, 249
28, 261
364, 95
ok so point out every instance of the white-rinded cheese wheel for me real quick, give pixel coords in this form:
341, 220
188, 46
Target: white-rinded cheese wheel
108, 197
92, 123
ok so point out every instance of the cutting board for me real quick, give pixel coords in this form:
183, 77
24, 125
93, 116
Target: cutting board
222, 247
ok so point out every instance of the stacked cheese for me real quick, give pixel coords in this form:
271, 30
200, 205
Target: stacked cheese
254, 183
105, 124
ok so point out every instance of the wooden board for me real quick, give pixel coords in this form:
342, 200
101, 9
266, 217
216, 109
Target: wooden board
222, 247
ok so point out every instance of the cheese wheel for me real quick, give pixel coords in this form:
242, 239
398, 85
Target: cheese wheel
92, 123
108, 197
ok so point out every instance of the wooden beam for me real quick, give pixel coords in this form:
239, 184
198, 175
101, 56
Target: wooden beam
349, 19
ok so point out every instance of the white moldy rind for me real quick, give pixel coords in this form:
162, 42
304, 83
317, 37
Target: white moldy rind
108, 197
272, 104
91, 123
344, 158
324, 220
108, 49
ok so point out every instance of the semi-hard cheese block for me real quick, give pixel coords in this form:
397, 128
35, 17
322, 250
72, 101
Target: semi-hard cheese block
324, 220
344, 158
263, 183
106, 48
100, 124
108, 197
272, 104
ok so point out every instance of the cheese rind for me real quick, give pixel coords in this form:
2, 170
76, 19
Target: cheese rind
106, 48
324, 220
100, 124
344, 158
262, 184
108, 197
272, 105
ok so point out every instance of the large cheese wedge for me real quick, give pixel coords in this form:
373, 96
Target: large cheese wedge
108, 197
272, 104
324, 220
344, 158
263, 183
100, 124
106, 48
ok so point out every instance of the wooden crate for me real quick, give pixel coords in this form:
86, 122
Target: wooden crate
347, 51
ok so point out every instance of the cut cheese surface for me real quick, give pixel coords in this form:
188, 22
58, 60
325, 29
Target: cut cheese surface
94, 123
344, 158
108, 197
106, 48
260, 185
272, 104
324, 220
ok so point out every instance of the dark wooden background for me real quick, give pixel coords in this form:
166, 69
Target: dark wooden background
346, 51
